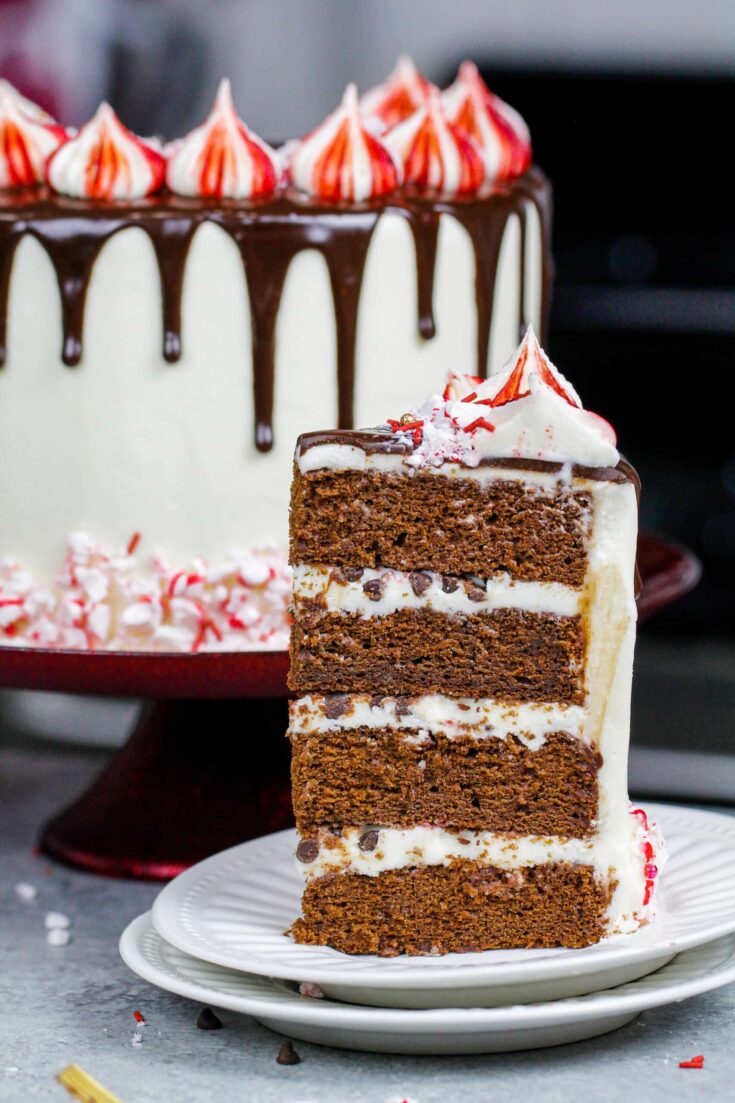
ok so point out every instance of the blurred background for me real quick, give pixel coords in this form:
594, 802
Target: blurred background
629, 106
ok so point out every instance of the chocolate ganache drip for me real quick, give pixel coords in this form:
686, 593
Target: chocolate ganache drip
269, 234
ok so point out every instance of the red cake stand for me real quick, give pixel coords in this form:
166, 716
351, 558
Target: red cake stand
206, 766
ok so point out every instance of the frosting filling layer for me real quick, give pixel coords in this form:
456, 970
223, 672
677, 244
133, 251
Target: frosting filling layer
379, 591
435, 713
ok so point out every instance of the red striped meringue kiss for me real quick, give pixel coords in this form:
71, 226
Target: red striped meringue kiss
498, 131
28, 137
434, 153
389, 103
106, 161
340, 159
222, 158
512, 381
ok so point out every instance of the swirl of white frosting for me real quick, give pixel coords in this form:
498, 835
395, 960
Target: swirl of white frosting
498, 131
524, 410
434, 153
223, 158
105, 161
389, 103
341, 159
28, 137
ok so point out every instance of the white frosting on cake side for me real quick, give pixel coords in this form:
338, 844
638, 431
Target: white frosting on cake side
131, 443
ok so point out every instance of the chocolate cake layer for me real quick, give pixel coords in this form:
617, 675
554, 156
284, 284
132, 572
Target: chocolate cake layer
462, 907
509, 654
429, 522
396, 779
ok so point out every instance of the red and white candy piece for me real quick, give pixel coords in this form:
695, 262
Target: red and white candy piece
223, 158
402, 93
106, 161
513, 381
498, 131
341, 159
434, 153
28, 137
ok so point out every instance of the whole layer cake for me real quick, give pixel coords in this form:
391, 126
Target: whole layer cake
464, 623
172, 317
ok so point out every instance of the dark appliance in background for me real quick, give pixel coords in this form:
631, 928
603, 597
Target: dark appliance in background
643, 316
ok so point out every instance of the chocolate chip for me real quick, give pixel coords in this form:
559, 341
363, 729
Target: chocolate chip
207, 1020
347, 574
369, 840
307, 850
420, 582
403, 706
449, 584
374, 588
287, 1055
337, 706
475, 588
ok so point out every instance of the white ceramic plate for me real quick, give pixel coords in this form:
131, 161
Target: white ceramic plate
233, 909
278, 1005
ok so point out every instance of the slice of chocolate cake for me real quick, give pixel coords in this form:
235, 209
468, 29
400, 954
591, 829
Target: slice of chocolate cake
464, 621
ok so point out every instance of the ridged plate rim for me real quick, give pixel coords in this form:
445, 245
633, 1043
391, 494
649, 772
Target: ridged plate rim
695, 909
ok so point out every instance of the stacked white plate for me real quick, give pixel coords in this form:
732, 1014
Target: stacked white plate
217, 934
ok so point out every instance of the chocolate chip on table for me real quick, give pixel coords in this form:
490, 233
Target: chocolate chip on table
287, 1055
374, 588
449, 584
307, 850
369, 840
207, 1020
420, 582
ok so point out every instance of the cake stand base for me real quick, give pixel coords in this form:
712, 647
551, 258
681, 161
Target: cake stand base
195, 777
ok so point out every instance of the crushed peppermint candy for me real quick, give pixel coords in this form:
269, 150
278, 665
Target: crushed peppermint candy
693, 1062
57, 921
26, 892
119, 601
311, 990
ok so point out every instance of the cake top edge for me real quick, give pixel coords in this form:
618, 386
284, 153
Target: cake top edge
525, 415
403, 133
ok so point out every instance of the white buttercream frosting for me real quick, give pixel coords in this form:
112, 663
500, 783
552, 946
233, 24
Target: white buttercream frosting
341, 159
393, 590
434, 714
222, 158
105, 161
28, 137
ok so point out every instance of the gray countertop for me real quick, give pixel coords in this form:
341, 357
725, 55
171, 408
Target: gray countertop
76, 1003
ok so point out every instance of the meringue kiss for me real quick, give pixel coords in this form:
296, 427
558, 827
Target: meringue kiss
28, 137
341, 159
399, 96
222, 158
105, 161
497, 130
434, 153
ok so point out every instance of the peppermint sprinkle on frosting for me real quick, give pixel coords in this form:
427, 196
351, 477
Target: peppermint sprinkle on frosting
222, 158
434, 153
496, 129
28, 137
341, 159
404, 91
524, 410
106, 161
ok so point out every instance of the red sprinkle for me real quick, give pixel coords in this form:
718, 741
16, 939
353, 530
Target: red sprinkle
693, 1063
133, 543
138, 1017
479, 423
